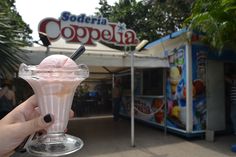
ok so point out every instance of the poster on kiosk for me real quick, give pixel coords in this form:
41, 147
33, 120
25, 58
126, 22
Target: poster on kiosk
176, 88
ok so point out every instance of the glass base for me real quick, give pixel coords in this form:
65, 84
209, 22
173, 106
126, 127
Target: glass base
54, 145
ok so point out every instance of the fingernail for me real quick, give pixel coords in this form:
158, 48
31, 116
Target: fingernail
47, 118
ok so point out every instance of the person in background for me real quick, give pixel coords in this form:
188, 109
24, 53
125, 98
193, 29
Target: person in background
116, 99
7, 99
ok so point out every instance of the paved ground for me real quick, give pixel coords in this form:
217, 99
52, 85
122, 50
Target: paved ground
105, 138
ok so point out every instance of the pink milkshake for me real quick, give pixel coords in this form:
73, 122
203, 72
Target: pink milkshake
54, 82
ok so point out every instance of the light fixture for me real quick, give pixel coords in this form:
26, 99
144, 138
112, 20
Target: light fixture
141, 45
44, 38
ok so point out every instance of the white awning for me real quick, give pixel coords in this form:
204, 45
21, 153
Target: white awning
101, 60
99, 55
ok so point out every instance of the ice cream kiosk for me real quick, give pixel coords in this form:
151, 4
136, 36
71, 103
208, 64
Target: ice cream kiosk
189, 98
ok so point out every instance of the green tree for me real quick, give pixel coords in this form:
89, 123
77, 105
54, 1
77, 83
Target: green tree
105, 9
216, 20
150, 19
14, 33
167, 16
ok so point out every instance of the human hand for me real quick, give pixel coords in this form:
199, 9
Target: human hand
23, 121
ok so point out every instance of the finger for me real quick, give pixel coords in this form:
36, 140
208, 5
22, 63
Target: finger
29, 108
33, 114
9, 153
21, 112
30, 102
29, 127
71, 114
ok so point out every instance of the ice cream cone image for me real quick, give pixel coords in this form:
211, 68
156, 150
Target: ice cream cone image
175, 76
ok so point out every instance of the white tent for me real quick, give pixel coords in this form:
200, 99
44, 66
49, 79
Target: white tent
101, 60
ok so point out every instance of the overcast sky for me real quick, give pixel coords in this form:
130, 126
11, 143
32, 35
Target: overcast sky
33, 11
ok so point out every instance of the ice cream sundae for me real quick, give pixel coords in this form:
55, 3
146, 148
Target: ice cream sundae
54, 82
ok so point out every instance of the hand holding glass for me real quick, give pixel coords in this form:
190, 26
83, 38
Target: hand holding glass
54, 87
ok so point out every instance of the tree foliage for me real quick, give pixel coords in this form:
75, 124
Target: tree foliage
14, 33
216, 19
150, 19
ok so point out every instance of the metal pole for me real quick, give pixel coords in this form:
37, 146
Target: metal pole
48, 49
165, 100
139, 47
113, 80
132, 98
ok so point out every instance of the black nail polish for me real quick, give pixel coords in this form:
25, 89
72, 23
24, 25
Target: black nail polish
47, 118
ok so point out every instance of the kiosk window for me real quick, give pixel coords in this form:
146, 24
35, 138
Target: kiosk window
126, 82
153, 81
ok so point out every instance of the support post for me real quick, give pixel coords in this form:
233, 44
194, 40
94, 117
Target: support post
132, 99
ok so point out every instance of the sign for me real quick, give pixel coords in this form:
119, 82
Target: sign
87, 29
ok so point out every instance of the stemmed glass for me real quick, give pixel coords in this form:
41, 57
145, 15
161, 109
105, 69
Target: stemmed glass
54, 89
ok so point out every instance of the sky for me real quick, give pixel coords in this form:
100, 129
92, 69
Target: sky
33, 11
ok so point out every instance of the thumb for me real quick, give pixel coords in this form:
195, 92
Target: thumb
34, 125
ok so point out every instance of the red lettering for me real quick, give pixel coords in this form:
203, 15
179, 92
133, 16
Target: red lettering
106, 35
76, 36
43, 26
121, 38
130, 37
113, 39
81, 30
87, 35
67, 33
92, 37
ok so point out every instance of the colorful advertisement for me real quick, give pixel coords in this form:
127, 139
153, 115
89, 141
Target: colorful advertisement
151, 108
199, 56
148, 109
176, 89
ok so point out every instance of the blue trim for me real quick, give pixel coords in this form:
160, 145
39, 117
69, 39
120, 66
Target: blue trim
169, 130
165, 38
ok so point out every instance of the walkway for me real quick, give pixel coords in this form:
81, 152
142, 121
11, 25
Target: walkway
105, 138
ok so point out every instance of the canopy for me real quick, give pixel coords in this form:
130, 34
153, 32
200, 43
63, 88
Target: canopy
101, 60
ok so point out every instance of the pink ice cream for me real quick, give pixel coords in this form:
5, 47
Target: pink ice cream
57, 61
54, 82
